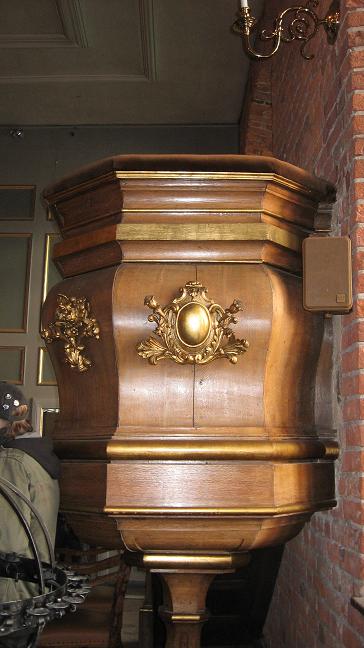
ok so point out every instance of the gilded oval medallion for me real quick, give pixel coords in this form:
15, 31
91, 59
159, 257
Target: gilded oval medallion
192, 328
193, 324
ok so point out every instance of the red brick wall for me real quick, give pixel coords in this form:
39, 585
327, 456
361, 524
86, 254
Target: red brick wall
318, 124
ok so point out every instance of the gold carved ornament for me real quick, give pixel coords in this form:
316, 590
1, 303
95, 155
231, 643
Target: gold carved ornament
192, 329
73, 322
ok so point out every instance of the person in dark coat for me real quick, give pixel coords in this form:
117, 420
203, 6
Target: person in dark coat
31, 465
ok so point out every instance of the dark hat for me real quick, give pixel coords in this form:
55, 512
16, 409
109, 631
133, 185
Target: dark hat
10, 399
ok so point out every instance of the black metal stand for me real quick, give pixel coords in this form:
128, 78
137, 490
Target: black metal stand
60, 590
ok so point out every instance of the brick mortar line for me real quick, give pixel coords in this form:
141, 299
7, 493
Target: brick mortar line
357, 553
348, 425
353, 374
346, 329
346, 398
358, 297
359, 344
349, 349
356, 525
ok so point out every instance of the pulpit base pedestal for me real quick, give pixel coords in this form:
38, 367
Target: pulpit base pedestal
184, 611
186, 580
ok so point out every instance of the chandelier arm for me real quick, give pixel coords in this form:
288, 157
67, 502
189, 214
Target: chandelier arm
304, 26
33, 641
45, 531
276, 36
309, 57
245, 24
297, 9
256, 55
11, 500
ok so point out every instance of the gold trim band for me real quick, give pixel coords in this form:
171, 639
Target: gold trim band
199, 449
158, 511
182, 232
186, 210
185, 618
271, 511
208, 232
190, 561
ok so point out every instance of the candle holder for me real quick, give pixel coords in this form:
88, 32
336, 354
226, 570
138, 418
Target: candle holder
297, 23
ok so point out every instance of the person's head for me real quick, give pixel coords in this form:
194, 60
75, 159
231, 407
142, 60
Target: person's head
13, 411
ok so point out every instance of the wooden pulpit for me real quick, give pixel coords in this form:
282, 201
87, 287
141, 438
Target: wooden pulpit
186, 364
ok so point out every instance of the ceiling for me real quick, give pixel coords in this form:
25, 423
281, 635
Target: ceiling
120, 62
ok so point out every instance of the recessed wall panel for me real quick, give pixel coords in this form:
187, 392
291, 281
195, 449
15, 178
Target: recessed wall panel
17, 202
12, 364
51, 275
15, 253
45, 369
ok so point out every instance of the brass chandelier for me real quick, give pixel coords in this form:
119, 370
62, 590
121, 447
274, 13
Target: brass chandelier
296, 23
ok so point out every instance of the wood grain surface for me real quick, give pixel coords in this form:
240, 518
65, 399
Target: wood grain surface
176, 501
